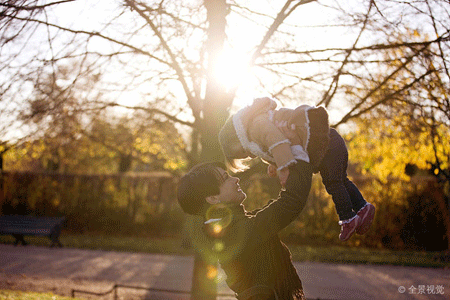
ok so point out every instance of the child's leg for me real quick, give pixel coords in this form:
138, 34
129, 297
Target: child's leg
334, 185
332, 177
364, 210
334, 174
356, 198
319, 135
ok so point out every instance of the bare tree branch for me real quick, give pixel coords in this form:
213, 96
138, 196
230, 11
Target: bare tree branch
174, 64
33, 7
282, 15
98, 34
442, 38
351, 115
335, 83
437, 34
148, 110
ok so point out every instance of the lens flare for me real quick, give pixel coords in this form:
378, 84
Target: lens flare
222, 212
211, 272
217, 229
218, 246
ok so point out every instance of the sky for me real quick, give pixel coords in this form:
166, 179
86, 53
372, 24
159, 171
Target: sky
233, 67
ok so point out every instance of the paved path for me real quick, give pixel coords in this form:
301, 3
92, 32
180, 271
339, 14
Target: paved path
63, 269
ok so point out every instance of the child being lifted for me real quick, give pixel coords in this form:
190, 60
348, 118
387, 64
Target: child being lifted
253, 132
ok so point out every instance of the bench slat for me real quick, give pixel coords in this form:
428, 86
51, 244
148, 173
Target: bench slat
26, 231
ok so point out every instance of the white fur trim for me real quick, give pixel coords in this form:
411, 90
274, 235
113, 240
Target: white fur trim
248, 145
286, 141
308, 129
363, 207
299, 153
271, 114
289, 163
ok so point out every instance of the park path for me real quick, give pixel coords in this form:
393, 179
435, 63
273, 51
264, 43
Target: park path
60, 270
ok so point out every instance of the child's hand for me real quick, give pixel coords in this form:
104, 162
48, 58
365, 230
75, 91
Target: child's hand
289, 132
283, 175
264, 103
272, 171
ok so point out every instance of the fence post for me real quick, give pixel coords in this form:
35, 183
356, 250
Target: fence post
115, 292
2, 193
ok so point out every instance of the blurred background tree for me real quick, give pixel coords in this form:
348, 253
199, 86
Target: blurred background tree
71, 136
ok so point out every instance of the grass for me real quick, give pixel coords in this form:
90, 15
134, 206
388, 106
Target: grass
18, 295
300, 253
336, 254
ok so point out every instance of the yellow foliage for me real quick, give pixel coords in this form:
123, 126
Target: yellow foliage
171, 165
384, 150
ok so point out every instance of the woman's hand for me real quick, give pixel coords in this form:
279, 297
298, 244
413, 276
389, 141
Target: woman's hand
283, 175
272, 171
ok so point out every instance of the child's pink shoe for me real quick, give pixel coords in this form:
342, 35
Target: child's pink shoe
367, 213
349, 227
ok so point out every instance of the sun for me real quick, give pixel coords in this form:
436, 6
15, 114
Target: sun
232, 69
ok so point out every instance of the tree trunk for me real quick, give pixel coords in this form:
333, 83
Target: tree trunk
215, 112
203, 288
217, 101
443, 204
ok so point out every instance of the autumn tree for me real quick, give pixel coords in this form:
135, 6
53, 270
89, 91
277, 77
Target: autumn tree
407, 131
71, 136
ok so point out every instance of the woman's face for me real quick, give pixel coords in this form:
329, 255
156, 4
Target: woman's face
230, 191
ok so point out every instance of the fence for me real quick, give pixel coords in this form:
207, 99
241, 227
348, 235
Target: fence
91, 202
115, 294
145, 204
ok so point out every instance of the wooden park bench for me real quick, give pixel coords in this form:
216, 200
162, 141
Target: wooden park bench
20, 226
